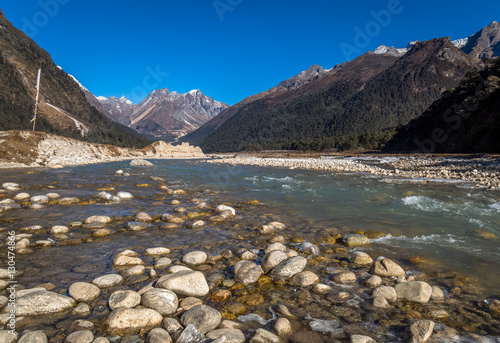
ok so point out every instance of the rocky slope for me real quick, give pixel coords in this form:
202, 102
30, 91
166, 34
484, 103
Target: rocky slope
485, 43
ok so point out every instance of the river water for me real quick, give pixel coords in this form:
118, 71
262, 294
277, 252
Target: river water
436, 221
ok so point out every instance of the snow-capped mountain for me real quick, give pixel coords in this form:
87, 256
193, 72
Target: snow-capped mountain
117, 109
385, 50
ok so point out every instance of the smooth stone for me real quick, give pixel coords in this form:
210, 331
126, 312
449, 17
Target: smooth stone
275, 246
39, 301
202, 317
109, 280
190, 335
105, 196
128, 252
361, 258
415, 291
304, 279
158, 335
101, 233
282, 326
84, 336
10, 186
163, 262
81, 309
135, 270
83, 291
157, 251
169, 226
277, 225
68, 201
386, 292
190, 302
137, 226
22, 244
309, 248
289, 267
229, 335
39, 199
344, 277
437, 294
222, 208
264, 336
197, 224
177, 268
7, 337
494, 307
187, 282
381, 302
272, 259
321, 289
98, 219
373, 282
33, 337
143, 217
161, 300
386, 267
124, 195
21, 197
3, 301
125, 320
101, 340
124, 299
247, 255
79, 325
362, 339
247, 272
127, 261
356, 240
59, 230
420, 331
195, 257
172, 325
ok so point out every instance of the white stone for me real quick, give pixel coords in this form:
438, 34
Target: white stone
109, 280
161, 300
83, 291
187, 282
124, 299
195, 257
125, 320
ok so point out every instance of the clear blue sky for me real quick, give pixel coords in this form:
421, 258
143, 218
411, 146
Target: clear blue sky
229, 49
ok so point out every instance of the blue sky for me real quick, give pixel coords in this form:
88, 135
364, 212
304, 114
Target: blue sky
229, 49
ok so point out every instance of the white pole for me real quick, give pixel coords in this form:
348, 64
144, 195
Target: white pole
36, 100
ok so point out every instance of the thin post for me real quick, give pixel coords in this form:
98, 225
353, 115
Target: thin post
36, 100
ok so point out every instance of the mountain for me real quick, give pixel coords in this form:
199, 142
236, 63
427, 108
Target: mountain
314, 72
354, 105
162, 114
466, 120
485, 43
63, 107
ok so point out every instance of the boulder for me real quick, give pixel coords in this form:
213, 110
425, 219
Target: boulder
247, 272
415, 291
386, 292
39, 301
185, 282
161, 300
202, 317
386, 267
125, 320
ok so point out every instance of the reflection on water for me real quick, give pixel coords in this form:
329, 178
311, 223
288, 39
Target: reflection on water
436, 220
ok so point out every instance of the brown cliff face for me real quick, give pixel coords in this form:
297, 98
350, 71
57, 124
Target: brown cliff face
485, 43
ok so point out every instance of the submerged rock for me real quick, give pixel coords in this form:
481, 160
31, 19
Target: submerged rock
33, 337
289, 267
195, 257
202, 317
356, 240
247, 272
124, 299
109, 280
227, 335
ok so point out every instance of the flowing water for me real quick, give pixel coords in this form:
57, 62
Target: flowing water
437, 221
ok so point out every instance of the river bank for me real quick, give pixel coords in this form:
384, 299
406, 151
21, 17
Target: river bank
323, 290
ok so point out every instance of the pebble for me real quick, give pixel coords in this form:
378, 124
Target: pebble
172, 325
264, 336
137, 226
124, 195
21, 197
127, 261
143, 217
222, 208
282, 326
373, 282
356, 240
344, 277
361, 258
202, 317
158, 335
381, 302
84, 336
59, 230
157, 251
304, 279
135, 270
124, 299
161, 300
82, 309
186, 282
247, 272
39, 199
321, 289
437, 294
98, 219
386, 292
190, 302
195, 258
83, 291
163, 262
275, 246
39, 301
362, 339
10, 186
109, 280
7, 337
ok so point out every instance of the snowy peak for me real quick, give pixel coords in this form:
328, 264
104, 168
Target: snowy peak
485, 43
385, 50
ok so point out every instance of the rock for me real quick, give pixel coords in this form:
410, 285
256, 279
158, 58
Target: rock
129, 253
190, 335
175, 269
10, 186
264, 336
158, 335
39, 199
84, 336
222, 208
321, 289
125, 320
190, 302
308, 248
7, 337
202, 317
135, 270
21, 197
246, 272
59, 230
104, 196
98, 219
127, 261
420, 331
163, 262
143, 217
83, 291
485, 235
304, 279
247, 255
124, 195
275, 246
373, 282
195, 257
81, 309
282, 326
437, 294
109, 280
197, 224
137, 226
124, 299
161, 300
381, 302
386, 292
186, 282
362, 339
101, 340
172, 325
344, 277
272, 259
415, 291
68, 201
157, 251
356, 240
141, 163
386, 267
289, 267
230, 335
39, 301
361, 258
33, 337
494, 307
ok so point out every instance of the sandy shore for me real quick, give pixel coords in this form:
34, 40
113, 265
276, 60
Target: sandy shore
480, 171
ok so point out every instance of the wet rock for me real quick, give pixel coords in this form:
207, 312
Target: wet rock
186, 282
135, 270
85, 336
33, 337
222, 208
437, 294
247, 272
264, 336
7, 337
180, 210
494, 307
275, 246
83, 291
101, 233
321, 289
39, 199
190, 335
289, 267
140, 163
125, 320
158, 335
308, 248
105, 196
39, 301
169, 226
127, 261
485, 235
79, 325
124, 299
197, 224
101, 340
247, 255
10, 186
272, 259
416, 291
236, 308
344, 277
420, 331
373, 282
161, 300
177, 268
356, 240
252, 299
81, 309
172, 325
21, 197
361, 258
98, 219
386, 267
157, 251
68, 201
190, 302
109, 280
124, 195
228, 335
362, 339
381, 302
195, 257
202, 317
282, 326
304, 279
277, 238
386, 292
137, 226
143, 217
163, 262
22, 244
